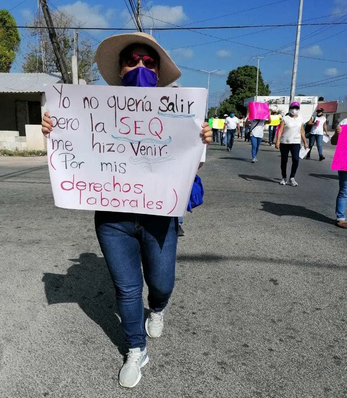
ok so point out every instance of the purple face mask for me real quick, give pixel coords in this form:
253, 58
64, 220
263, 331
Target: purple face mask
140, 77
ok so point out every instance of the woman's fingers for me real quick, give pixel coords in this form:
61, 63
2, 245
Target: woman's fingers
46, 125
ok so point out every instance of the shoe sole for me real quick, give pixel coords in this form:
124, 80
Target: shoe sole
148, 334
145, 362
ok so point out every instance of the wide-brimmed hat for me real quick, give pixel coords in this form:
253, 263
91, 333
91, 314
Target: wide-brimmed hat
107, 58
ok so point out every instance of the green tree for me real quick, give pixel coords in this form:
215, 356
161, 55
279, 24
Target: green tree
35, 61
9, 40
242, 82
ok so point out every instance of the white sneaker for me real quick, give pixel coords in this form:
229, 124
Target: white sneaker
254, 160
130, 374
154, 324
292, 182
283, 182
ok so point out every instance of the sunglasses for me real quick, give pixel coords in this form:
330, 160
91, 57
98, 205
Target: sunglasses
133, 59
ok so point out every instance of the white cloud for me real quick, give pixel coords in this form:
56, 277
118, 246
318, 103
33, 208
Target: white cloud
312, 51
157, 16
340, 6
27, 14
223, 53
183, 52
330, 72
221, 72
89, 16
287, 72
160, 16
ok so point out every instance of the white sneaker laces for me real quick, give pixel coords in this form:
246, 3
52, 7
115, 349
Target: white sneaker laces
133, 357
156, 317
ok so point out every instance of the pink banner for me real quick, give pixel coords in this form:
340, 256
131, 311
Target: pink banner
340, 157
258, 110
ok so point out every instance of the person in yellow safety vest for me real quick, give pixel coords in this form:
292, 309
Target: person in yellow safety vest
275, 120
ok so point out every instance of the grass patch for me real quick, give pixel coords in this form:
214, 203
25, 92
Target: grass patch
7, 152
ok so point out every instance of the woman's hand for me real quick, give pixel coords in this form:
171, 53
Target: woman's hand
277, 145
305, 145
206, 133
46, 125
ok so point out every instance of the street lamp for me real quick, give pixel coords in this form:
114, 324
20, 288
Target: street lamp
208, 85
257, 82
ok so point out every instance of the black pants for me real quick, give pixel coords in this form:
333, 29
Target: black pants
294, 149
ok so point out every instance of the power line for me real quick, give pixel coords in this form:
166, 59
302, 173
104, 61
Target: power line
314, 83
238, 12
178, 28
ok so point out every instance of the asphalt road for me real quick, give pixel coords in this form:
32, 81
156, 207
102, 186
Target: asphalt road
259, 308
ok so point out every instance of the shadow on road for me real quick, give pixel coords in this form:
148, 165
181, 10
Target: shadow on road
22, 172
256, 178
88, 284
248, 160
236, 261
282, 209
325, 176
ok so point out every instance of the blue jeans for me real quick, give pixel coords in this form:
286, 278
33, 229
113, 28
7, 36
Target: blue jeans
223, 138
341, 200
127, 240
215, 135
241, 132
255, 141
272, 133
294, 149
319, 141
230, 138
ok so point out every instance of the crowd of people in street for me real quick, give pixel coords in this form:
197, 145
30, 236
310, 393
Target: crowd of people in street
291, 135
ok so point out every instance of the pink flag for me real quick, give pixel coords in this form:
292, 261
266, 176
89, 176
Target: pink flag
258, 110
340, 157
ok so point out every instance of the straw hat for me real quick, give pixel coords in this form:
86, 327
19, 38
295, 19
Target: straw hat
107, 58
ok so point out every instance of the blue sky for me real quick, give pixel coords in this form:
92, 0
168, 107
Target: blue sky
224, 50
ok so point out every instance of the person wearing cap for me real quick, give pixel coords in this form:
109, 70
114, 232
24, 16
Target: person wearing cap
131, 240
341, 199
231, 124
223, 135
319, 127
242, 121
290, 134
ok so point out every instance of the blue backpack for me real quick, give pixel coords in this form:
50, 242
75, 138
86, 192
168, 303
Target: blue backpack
197, 194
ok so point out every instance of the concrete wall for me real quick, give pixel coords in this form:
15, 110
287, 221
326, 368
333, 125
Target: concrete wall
34, 138
12, 141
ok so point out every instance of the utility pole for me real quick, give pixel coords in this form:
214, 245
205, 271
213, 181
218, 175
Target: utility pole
138, 13
296, 53
42, 48
74, 59
55, 43
257, 82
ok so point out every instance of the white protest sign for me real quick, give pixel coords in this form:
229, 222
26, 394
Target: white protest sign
124, 149
303, 152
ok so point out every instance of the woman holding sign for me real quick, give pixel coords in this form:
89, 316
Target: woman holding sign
341, 200
137, 246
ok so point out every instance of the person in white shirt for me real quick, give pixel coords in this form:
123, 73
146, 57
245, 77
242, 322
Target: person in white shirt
242, 125
319, 127
231, 125
289, 137
341, 200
